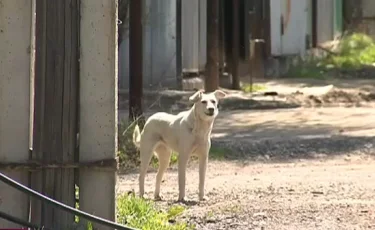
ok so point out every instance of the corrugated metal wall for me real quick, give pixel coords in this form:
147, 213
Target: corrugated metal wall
159, 47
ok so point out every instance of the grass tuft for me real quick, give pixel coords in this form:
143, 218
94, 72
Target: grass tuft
247, 88
143, 214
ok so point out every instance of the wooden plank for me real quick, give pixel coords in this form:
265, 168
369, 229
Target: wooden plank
56, 106
39, 98
98, 105
68, 42
15, 41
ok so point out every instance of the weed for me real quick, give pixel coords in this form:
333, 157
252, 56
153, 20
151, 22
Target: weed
127, 152
218, 153
143, 214
247, 88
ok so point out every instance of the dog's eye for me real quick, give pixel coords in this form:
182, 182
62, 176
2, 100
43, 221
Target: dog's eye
213, 101
204, 102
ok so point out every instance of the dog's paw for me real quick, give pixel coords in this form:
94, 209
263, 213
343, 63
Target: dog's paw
203, 198
158, 198
186, 202
181, 200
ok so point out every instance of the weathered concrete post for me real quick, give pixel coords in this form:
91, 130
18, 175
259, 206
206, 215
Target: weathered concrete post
15, 41
98, 105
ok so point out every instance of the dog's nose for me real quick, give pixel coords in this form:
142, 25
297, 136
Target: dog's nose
211, 110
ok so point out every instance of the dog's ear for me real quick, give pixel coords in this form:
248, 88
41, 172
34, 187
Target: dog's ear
196, 96
219, 94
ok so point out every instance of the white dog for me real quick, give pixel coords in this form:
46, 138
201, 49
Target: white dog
186, 133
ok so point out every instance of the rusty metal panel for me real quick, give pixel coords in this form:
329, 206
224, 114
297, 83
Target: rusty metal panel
202, 34
288, 26
325, 16
190, 35
368, 8
159, 46
295, 26
275, 16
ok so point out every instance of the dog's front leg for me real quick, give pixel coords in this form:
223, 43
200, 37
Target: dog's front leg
182, 164
203, 161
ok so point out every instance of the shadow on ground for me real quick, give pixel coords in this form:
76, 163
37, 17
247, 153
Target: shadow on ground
267, 150
362, 84
289, 135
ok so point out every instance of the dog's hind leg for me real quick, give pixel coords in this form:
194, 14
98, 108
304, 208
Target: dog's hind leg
146, 150
164, 154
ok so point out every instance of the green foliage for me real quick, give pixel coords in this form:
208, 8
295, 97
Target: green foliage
218, 153
127, 153
354, 52
143, 214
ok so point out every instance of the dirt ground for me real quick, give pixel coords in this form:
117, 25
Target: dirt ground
302, 168
336, 194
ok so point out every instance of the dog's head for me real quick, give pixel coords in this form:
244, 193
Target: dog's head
206, 103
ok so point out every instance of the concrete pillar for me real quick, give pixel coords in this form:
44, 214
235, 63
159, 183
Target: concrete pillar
15, 42
98, 105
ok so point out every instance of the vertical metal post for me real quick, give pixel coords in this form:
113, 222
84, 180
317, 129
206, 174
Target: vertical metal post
135, 60
235, 45
178, 44
212, 70
221, 37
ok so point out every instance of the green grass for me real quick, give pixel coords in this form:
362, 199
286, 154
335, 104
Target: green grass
247, 88
354, 52
127, 153
143, 214
218, 153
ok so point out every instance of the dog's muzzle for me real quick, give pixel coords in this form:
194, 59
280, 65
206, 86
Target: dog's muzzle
210, 112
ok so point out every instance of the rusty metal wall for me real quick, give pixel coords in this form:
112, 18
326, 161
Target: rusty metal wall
293, 40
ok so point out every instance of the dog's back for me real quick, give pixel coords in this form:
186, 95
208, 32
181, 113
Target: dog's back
157, 126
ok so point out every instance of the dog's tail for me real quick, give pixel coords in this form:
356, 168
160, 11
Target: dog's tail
137, 136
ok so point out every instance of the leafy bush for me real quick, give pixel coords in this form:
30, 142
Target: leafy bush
353, 52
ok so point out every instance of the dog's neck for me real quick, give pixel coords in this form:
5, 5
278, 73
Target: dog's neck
200, 127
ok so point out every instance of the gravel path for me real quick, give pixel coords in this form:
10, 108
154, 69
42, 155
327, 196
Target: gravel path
284, 169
